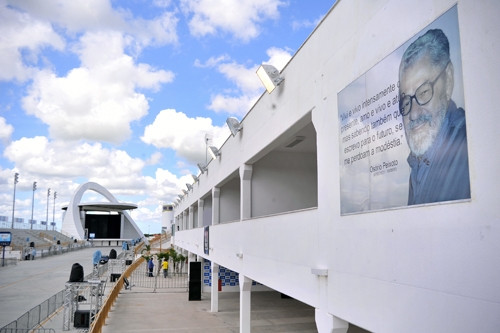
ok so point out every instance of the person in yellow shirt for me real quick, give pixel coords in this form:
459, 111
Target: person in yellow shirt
164, 266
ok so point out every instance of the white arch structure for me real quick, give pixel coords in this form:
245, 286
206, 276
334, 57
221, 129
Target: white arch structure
73, 224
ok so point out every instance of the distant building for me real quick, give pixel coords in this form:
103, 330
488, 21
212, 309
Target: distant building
99, 220
167, 218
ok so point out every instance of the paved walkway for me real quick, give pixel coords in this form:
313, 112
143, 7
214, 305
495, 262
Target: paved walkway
143, 311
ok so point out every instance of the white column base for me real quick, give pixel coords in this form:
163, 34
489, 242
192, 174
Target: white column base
214, 290
245, 304
327, 323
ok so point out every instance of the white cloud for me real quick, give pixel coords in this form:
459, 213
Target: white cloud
310, 24
240, 18
174, 130
73, 15
245, 79
212, 61
99, 15
278, 57
155, 158
6, 130
161, 30
21, 38
53, 163
98, 100
39, 156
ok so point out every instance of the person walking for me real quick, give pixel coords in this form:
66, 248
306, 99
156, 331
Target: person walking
151, 266
165, 268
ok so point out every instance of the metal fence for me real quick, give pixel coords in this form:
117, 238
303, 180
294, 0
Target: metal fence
39, 313
35, 316
175, 279
22, 330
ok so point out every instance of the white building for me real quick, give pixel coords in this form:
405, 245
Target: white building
296, 204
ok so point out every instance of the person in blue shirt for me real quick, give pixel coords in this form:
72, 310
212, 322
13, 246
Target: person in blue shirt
434, 126
151, 266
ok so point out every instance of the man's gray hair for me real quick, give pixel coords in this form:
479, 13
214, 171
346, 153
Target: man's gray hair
433, 43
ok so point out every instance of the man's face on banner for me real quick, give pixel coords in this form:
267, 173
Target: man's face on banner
422, 81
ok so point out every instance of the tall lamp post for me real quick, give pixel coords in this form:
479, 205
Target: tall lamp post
47, 217
16, 180
54, 212
33, 204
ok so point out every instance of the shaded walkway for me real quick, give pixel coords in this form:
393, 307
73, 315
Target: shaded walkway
138, 311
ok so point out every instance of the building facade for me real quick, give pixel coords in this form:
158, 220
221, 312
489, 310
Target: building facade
311, 196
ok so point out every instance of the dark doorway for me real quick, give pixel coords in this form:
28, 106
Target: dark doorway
103, 225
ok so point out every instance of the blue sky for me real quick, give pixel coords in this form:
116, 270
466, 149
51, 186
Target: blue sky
124, 93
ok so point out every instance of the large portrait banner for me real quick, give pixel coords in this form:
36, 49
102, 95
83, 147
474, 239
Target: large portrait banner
402, 132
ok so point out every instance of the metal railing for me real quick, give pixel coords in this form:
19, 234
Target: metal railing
22, 330
41, 312
100, 319
175, 278
35, 316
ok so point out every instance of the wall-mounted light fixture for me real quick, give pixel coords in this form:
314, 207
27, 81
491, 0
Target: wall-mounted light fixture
234, 125
202, 167
239, 255
269, 76
189, 186
195, 178
214, 152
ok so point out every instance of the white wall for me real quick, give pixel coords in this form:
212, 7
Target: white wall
230, 201
422, 269
432, 268
284, 182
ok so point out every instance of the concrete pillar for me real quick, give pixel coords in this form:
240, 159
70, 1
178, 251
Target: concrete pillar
327, 323
214, 290
201, 202
246, 191
191, 218
184, 220
215, 205
245, 304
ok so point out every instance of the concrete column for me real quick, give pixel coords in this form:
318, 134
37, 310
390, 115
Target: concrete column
327, 323
245, 304
184, 220
191, 218
201, 202
246, 191
215, 205
214, 290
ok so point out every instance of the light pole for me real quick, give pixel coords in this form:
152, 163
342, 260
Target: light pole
54, 212
33, 204
47, 218
16, 180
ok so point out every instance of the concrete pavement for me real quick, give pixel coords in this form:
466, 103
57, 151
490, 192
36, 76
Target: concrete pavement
142, 311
